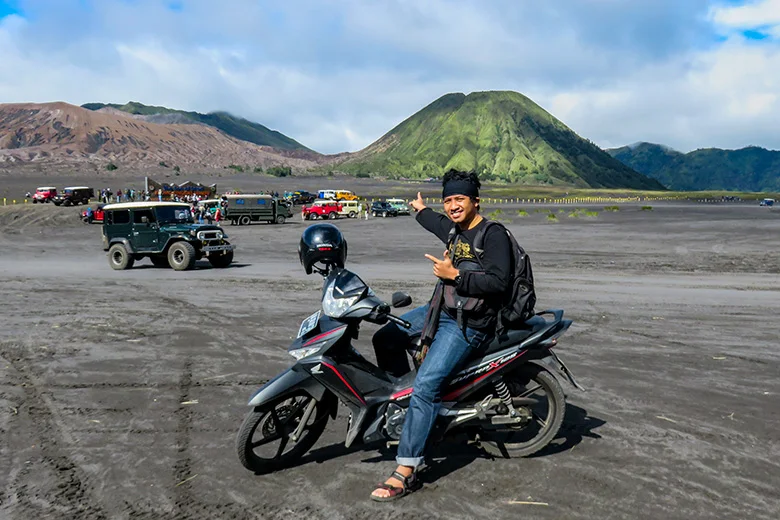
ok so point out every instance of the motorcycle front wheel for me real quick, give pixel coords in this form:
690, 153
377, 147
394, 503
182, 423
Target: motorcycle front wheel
264, 442
546, 405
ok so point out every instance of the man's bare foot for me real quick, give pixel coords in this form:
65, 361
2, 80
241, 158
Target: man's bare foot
406, 471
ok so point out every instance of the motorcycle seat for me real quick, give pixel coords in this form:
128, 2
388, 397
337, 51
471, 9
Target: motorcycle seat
514, 336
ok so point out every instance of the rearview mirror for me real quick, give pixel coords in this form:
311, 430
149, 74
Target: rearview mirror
401, 299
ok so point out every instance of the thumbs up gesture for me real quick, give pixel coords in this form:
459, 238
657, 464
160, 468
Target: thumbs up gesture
418, 203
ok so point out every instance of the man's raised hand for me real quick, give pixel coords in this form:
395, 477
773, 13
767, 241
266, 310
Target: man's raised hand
418, 203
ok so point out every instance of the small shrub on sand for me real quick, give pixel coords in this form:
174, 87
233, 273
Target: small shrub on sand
589, 213
611, 208
522, 213
552, 217
575, 214
647, 208
495, 215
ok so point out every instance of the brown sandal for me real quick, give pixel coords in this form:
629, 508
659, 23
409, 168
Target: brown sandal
410, 484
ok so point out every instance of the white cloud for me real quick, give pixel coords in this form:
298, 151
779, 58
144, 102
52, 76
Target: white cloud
750, 16
336, 75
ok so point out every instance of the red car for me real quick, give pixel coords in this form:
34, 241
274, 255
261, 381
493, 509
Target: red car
321, 210
97, 216
44, 194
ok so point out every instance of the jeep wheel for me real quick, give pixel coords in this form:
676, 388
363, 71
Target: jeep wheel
384, 214
332, 215
119, 259
67, 203
221, 261
244, 221
373, 213
280, 219
35, 201
351, 214
181, 256
159, 261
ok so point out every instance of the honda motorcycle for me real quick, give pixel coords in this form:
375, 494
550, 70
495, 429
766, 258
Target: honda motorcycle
506, 397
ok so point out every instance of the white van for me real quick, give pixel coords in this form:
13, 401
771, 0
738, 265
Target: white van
350, 208
326, 194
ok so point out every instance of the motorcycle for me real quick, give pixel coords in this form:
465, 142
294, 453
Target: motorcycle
506, 397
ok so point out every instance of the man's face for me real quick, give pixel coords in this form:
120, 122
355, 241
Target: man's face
460, 208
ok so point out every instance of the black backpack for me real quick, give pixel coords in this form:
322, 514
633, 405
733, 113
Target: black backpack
521, 298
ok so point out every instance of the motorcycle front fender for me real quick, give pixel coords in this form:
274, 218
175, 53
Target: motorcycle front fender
291, 381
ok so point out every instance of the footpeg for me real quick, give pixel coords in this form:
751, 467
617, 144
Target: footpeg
506, 419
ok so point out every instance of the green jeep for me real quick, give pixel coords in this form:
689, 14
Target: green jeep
163, 231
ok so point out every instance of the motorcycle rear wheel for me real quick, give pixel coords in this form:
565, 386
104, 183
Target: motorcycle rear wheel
263, 442
532, 381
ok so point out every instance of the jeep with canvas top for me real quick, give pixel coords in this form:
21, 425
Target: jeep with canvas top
73, 196
164, 232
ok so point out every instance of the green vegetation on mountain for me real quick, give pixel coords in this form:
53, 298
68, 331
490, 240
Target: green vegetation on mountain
233, 126
747, 169
504, 136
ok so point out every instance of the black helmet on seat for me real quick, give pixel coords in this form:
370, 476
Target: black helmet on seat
322, 243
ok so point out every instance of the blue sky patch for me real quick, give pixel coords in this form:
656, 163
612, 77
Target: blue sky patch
755, 35
8, 7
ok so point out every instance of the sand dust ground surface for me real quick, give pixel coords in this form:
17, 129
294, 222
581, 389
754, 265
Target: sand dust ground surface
675, 339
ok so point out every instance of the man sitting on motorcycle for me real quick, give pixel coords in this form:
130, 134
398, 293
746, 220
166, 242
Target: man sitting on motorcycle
459, 319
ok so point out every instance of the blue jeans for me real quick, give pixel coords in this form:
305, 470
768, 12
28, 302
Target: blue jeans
447, 353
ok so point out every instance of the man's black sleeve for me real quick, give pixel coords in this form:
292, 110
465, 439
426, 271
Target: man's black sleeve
497, 261
436, 223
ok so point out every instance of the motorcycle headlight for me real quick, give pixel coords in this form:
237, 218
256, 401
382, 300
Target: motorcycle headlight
336, 307
301, 353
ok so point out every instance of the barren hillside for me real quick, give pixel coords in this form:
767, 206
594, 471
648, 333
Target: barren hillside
63, 133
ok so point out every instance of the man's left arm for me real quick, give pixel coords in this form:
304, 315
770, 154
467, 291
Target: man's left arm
497, 262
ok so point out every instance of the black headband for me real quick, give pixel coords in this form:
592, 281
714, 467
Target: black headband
460, 187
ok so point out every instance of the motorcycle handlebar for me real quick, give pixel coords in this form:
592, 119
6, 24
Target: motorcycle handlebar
398, 321
385, 310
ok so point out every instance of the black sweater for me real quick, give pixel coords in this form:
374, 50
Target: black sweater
492, 284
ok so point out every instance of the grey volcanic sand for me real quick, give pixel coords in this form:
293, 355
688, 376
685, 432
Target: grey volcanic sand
675, 338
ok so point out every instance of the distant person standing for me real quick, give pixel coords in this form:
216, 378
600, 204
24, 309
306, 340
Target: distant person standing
119, 195
159, 194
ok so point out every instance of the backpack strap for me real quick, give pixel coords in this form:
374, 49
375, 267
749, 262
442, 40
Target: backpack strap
479, 238
452, 235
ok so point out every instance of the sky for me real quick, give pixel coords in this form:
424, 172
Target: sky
338, 74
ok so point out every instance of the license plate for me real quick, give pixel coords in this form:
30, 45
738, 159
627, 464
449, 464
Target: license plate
208, 249
308, 324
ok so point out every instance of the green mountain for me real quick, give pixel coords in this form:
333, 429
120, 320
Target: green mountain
233, 126
747, 169
503, 136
